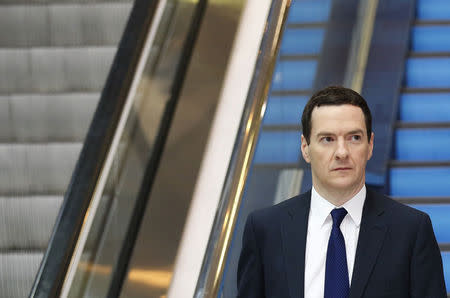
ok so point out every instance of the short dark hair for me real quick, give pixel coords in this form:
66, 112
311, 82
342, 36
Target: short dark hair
335, 96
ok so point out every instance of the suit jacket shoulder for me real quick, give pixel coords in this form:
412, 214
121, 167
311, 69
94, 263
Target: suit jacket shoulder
268, 215
397, 253
272, 255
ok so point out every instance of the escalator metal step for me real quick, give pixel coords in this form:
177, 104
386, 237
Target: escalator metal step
54, 70
18, 270
32, 169
26, 222
63, 117
63, 24
54, 56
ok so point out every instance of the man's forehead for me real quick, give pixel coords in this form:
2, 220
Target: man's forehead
325, 112
345, 106
337, 117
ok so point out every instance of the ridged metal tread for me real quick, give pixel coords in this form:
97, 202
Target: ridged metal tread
26, 222
36, 168
17, 271
59, 117
63, 25
54, 70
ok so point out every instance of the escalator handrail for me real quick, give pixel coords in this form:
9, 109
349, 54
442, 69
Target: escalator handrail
212, 269
57, 258
121, 267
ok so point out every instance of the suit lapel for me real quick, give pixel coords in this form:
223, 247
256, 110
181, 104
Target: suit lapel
370, 241
294, 230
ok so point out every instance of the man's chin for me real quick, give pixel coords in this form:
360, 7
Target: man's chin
344, 184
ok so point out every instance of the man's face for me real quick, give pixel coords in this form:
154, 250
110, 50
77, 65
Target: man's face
338, 150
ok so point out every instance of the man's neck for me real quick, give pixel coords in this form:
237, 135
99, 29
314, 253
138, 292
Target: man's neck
338, 197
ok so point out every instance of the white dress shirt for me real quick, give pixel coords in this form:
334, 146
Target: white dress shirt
319, 229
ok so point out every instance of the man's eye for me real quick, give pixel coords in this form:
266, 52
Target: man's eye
356, 138
327, 139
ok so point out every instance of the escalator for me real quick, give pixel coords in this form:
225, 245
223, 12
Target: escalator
420, 169
54, 58
125, 216
130, 179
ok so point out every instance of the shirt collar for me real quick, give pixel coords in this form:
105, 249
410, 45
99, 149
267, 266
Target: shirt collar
321, 208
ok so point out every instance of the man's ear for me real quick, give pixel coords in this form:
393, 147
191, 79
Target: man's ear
370, 146
305, 150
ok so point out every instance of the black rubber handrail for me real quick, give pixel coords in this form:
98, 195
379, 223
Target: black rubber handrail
56, 260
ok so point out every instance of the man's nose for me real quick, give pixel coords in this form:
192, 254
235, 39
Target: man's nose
341, 150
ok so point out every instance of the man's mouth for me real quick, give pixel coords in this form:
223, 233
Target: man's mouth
342, 169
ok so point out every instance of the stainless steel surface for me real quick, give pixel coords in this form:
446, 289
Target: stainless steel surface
220, 239
151, 265
149, 95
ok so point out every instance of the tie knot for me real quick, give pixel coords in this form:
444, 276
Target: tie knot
338, 215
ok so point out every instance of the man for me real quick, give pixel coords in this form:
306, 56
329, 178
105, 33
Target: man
339, 239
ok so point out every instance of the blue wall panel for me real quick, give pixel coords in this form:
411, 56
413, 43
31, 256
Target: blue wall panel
427, 144
433, 9
430, 39
420, 182
422, 144
428, 72
278, 147
425, 107
294, 75
446, 264
309, 11
302, 41
284, 110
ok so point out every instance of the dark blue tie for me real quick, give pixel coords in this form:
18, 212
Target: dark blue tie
336, 271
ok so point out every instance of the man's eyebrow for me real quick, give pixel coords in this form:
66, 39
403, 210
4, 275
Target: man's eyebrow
356, 131
324, 133
327, 133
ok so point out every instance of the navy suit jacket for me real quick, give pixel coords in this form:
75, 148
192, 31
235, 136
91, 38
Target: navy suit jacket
397, 254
